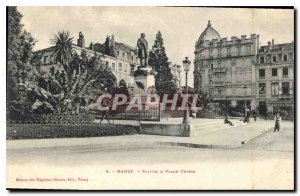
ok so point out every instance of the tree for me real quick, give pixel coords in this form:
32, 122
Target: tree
205, 101
63, 51
65, 91
20, 75
158, 59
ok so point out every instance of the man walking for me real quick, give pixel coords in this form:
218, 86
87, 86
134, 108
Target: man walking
106, 102
254, 115
277, 122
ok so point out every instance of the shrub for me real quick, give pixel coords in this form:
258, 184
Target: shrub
32, 131
54, 119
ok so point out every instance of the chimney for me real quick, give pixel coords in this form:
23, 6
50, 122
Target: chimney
112, 40
269, 44
91, 46
272, 42
208, 25
81, 41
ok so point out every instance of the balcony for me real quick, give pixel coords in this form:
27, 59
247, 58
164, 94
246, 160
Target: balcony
219, 70
219, 83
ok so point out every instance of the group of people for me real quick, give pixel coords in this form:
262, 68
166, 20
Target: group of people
247, 117
277, 119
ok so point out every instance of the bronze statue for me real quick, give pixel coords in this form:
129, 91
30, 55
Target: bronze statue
143, 50
81, 36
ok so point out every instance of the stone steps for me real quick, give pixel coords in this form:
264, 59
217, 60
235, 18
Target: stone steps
206, 128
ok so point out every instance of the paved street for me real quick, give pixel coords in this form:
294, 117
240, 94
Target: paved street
265, 162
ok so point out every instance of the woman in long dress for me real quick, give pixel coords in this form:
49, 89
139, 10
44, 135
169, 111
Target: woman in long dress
277, 122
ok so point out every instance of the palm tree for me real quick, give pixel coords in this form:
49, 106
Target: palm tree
63, 51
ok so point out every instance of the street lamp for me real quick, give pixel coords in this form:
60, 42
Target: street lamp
245, 91
186, 67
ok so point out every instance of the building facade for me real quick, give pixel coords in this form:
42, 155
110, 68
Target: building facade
122, 59
176, 72
238, 71
226, 68
119, 57
275, 78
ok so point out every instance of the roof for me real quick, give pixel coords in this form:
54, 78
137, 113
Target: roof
45, 49
112, 50
209, 34
277, 47
125, 47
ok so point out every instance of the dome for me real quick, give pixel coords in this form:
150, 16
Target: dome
209, 33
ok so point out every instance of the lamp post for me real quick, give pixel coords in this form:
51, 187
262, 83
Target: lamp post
245, 91
186, 66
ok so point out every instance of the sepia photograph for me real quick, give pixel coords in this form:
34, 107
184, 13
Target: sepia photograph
150, 98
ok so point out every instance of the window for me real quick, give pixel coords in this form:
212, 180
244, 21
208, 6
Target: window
262, 59
51, 59
291, 56
201, 65
211, 91
219, 52
113, 66
131, 68
238, 51
210, 53
220, 93
45, 59
211, 65
228, 52
274, 71
285, 88
262, 88
219, 78
233, 62
262, 73
118, 53
285, 71
285, 58
219, 64
274, 88
107, 63
125, 68
210, 80
120, 66
268, 59
124, 55
274, 58
132, 57
248, 49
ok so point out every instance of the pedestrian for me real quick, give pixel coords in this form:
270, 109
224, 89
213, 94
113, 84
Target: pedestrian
106, 102
254, 115
194, 111
248, 117
227, 121
104, 113
277, 122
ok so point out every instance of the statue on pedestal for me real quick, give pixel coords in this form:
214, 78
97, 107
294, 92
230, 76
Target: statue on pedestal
143, 50
144, 75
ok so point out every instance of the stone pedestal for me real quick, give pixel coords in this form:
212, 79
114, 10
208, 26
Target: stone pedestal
144, 80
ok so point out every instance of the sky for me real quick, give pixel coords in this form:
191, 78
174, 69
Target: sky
180, 26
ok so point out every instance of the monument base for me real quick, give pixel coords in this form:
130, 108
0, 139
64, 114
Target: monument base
144, 80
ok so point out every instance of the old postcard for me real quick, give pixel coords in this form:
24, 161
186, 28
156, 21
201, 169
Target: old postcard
150, 98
